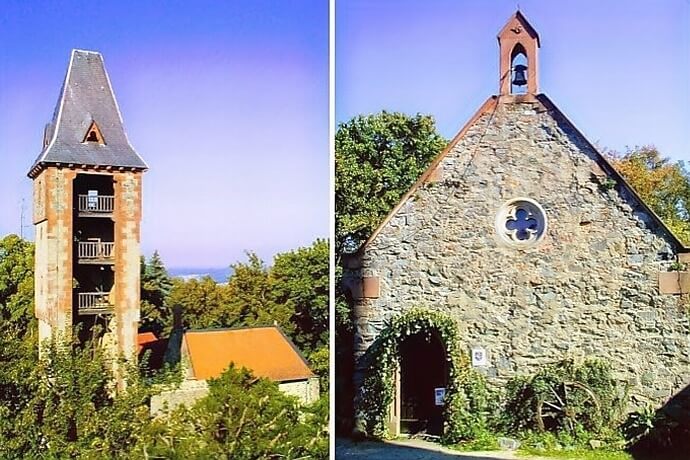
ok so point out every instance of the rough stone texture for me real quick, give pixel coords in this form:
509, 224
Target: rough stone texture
127, 216
189, 392
589, 288
53, 192
53, 257
306, 390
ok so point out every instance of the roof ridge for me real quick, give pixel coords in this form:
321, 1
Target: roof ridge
61, 104
228, 329
612, 171
79, 50
484, 108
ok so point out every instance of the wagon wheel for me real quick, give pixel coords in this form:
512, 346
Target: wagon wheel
564, 404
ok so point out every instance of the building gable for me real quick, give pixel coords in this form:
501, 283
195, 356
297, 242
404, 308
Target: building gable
466, 145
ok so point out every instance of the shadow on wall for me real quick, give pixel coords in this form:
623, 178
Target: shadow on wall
344, 369
669, 438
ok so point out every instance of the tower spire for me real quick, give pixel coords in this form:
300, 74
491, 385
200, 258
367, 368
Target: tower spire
87, 100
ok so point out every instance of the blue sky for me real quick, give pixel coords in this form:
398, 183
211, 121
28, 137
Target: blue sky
226, 101
620, 70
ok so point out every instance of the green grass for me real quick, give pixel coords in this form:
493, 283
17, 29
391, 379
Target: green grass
578, 453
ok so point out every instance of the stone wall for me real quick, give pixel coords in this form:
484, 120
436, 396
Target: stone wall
191, 390
589, 288
306, 390
127, 216
53, 256
53, 208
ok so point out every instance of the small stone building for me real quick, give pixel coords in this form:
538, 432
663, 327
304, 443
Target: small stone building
266, 351
524, 234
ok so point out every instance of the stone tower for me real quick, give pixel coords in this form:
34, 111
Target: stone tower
87, 211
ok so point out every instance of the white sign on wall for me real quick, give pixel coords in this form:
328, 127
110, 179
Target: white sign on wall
479, 357
439, 396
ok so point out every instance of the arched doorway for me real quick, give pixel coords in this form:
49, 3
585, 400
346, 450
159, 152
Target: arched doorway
423, 379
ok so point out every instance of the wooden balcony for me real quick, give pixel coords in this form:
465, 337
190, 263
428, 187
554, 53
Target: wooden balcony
96, 205
96, 252
93, 303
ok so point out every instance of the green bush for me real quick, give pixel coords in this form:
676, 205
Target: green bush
652, 430
565, 396
243, 417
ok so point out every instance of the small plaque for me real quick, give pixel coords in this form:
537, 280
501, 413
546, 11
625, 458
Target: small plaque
479, 357
439, 396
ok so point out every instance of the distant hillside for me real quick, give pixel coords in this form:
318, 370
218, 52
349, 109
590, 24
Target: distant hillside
219, 275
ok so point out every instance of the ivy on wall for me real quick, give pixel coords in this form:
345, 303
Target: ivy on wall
468, 401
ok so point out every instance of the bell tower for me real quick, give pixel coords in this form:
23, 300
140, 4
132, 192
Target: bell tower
86, 212
519, 44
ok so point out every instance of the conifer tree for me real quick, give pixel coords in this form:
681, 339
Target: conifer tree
156, 284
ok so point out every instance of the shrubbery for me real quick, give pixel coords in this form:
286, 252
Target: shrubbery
66, 406
563, 396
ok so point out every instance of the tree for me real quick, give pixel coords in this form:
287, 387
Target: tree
377, 159
16, 285
155, 289
66, 405
243, 417
204, 303
664, 186
299, 281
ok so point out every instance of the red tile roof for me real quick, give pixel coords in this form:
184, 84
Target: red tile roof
266, 351
144, 338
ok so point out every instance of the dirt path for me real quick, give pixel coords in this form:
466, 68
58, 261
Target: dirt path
410, 449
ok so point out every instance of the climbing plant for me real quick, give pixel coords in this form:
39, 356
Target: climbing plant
468, 401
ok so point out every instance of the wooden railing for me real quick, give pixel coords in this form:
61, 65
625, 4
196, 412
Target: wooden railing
96, 203
95, 250
93, 302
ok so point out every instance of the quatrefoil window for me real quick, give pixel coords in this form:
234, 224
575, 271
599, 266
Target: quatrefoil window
521, 222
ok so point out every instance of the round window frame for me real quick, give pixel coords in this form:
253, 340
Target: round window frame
504, 212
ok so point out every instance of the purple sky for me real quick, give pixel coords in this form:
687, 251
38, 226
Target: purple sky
620, 70
226, 101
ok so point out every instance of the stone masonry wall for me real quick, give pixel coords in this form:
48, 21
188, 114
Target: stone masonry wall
53, 226
589, 288
306, 390
127, 217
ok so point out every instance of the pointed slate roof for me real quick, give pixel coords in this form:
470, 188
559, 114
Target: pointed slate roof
86, 97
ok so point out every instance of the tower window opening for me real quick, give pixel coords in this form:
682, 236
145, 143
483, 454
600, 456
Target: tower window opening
518, 70
93, 134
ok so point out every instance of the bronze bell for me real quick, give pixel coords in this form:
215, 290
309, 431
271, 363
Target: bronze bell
519, 76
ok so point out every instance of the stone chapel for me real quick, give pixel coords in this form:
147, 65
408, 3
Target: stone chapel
525, 235
87, 185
